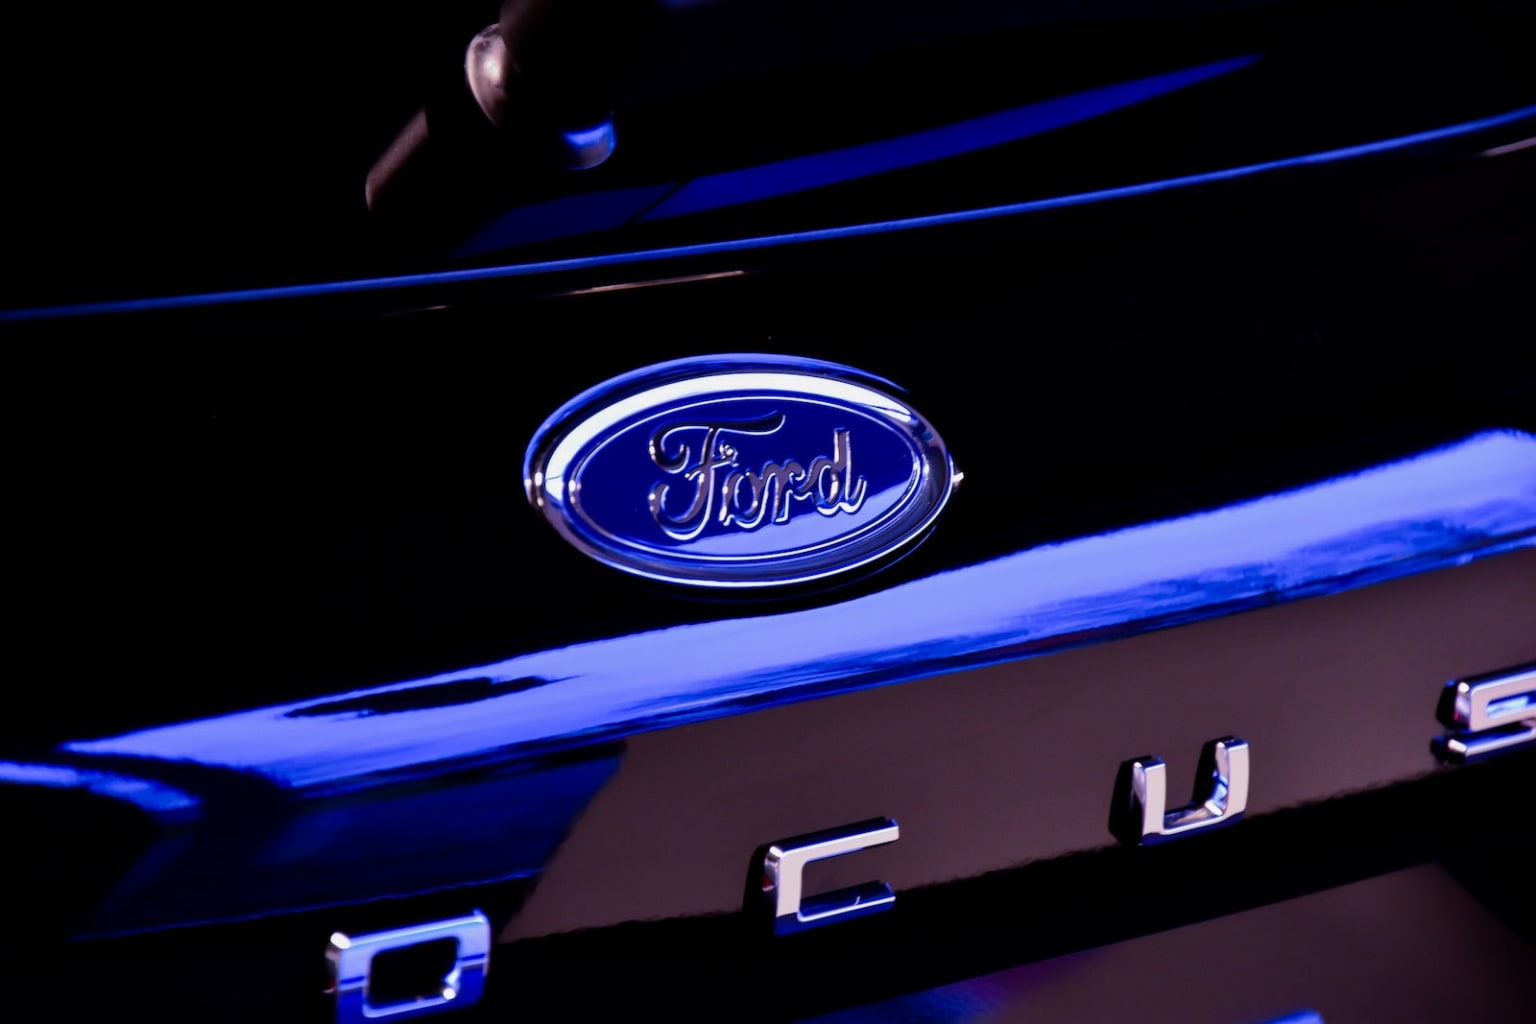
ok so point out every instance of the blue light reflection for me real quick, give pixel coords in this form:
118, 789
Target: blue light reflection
507, 271
786, 177
166, 803
588, 212
1441, 508
339, 846
564, 217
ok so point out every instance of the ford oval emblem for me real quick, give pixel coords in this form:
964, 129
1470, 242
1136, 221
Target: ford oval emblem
739, 471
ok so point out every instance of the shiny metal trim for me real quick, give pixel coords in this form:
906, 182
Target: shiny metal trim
580, 429
1459, 748
486, 71
488, 66
1139, 815
1490, 714
349, 960
783, 866
1474, 706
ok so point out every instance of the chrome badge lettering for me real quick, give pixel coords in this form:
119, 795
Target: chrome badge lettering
1488, 714
353, 963
1139, 812
829, 480
783, 864
739, 471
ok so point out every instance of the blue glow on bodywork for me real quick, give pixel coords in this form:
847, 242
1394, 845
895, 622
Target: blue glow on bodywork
164, 802
562, 218
349, 843
585, 138
589, 212
479, 274
1441, 508
816, 170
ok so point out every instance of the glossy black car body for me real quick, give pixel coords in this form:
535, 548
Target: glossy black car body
1168, 284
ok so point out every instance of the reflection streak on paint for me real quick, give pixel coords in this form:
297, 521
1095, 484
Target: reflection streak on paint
1437, 509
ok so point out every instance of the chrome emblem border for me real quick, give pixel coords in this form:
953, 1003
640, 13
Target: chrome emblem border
739, 471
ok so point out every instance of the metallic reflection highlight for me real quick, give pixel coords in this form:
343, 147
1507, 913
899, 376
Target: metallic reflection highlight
477, 776
1139, 812
350, 962
783, 866
1442, 508
1513, 147
1490, 714
738, 470
166, 803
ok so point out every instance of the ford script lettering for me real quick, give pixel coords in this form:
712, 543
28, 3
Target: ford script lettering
748, 499
739, 471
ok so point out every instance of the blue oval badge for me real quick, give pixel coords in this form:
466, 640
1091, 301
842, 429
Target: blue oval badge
739, 471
